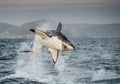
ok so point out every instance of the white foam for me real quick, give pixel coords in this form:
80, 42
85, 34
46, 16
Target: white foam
62, 68
37, 47
106, 55
30, 65
102, 74
24, 46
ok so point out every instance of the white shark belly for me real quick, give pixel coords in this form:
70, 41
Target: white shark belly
52, 42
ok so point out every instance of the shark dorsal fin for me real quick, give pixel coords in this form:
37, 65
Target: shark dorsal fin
41, 33
54, 54
59, 27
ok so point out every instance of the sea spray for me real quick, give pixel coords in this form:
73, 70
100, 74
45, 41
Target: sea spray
103, 74
63, 70
30, 65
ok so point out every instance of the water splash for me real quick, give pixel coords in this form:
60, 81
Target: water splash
31, 65
103, 74
48, 25
39, 67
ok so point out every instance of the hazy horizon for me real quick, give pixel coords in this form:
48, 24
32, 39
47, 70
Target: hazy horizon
72, 11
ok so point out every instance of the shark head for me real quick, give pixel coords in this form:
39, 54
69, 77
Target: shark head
66, 45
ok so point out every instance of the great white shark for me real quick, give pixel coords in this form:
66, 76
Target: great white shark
55, 41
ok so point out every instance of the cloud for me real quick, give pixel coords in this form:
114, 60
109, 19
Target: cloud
85, 11
14, 5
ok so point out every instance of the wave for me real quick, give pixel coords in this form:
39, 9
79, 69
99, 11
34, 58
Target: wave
103, 75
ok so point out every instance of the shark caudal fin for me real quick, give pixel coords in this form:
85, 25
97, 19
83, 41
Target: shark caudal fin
54, 54
59, 27
41, 33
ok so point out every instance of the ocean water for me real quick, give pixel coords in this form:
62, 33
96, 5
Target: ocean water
95, 61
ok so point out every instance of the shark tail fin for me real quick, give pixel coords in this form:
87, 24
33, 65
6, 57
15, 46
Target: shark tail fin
41, 33
59, 27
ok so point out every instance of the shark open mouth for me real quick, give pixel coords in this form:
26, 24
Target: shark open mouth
64, 48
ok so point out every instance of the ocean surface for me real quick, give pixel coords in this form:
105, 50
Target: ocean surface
95, 61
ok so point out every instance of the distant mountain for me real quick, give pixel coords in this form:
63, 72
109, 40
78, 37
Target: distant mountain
7, 27
70, 30
94, 30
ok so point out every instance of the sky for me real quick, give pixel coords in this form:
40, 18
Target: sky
67, 11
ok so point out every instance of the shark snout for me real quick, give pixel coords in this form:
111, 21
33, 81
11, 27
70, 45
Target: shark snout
73, 47
67, 47
33, 30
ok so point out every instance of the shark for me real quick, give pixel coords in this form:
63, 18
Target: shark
55, 41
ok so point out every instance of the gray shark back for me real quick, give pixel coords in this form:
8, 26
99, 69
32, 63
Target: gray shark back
51, 33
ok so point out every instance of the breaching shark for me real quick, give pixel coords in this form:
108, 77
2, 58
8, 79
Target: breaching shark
55, 41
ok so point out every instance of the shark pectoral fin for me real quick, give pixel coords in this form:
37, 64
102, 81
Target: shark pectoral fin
54, 54
41, 33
